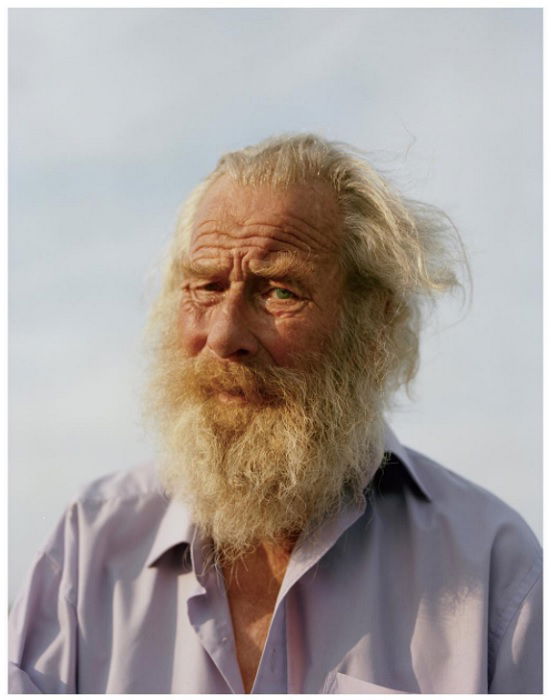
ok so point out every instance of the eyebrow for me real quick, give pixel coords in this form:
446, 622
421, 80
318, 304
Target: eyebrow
191, 268
286, 266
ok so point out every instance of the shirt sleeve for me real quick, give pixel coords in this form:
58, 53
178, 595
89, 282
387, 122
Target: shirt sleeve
519, 660
43, 621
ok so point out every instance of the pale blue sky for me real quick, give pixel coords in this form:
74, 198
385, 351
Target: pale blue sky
116, 114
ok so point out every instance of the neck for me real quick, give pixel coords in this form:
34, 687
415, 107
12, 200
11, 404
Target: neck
263, 567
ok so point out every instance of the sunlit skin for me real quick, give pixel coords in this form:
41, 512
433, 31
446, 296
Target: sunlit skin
262, 283
263, 279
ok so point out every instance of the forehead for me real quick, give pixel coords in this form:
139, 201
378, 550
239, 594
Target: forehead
257, 221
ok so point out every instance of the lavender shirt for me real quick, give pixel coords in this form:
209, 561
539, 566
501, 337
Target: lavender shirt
433, 586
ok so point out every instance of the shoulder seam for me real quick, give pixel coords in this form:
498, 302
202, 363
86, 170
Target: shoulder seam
532, 576
58, 570
51, 561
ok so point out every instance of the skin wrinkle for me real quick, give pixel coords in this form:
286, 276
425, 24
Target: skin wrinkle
236, 290
285, 264
286, 268
287, 227
278, 331
308, 232
228, 245
235, 212
279, 233
236, 308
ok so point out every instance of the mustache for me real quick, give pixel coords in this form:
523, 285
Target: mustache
207, 377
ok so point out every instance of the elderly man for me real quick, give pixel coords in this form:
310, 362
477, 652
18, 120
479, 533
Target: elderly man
287, 542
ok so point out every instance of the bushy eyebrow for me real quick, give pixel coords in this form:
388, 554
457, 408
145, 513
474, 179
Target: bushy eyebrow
286, 266
195, 268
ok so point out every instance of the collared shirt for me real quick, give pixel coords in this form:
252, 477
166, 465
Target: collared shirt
432, 586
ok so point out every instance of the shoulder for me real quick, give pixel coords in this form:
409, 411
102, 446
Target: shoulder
469, 556
472, 509
128, 485
458, 525
117, 512
473, 530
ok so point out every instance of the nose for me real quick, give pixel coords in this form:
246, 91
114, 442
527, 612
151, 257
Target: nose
229, 334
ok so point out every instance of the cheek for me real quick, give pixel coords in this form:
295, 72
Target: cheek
193, 333
292, 339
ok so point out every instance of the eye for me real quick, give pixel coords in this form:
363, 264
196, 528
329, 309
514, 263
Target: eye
207, 292
282, 294
211, 287
281, 301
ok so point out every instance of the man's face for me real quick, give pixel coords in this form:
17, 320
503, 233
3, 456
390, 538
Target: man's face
263, 284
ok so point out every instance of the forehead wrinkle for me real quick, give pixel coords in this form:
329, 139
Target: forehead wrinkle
306, 234
235, 228
312, 236
284, 265
226, 241
304, 220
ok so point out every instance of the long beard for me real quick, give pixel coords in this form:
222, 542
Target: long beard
293, 448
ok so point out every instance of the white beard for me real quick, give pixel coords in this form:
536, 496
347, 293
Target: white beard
267, 468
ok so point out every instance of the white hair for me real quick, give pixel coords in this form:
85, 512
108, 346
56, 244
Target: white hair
396, 253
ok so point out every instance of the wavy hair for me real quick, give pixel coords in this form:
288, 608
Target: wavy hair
397, 253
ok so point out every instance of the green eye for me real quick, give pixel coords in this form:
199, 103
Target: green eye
282, 293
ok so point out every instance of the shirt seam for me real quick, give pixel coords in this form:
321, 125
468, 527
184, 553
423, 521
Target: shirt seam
512, 608
58, 569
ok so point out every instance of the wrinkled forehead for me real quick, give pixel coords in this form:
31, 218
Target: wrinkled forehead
303, 218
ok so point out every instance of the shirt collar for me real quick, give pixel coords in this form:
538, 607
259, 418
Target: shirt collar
394, 447
177, 527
